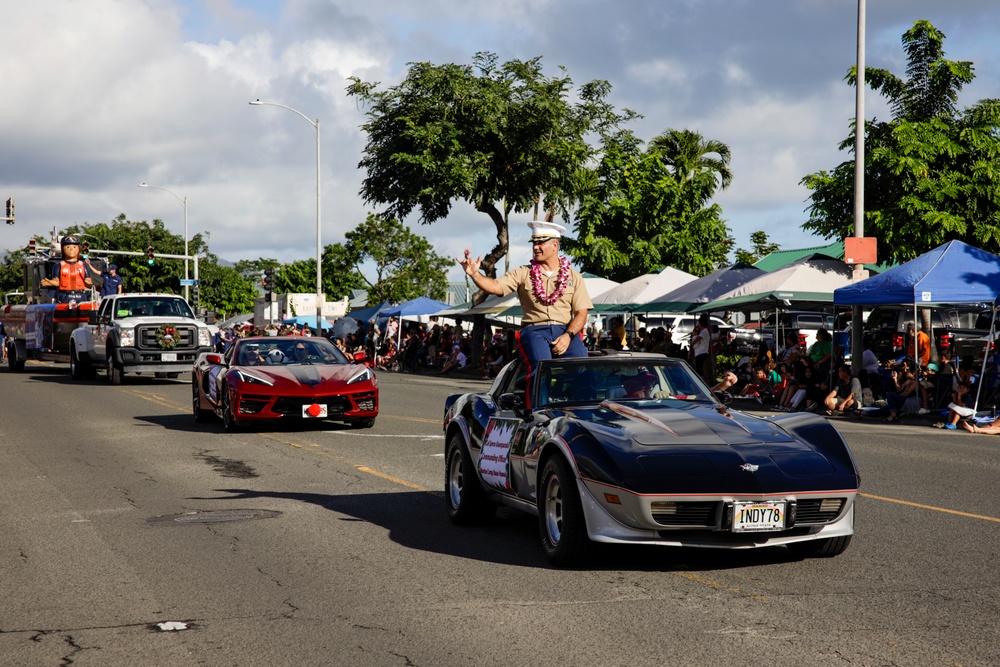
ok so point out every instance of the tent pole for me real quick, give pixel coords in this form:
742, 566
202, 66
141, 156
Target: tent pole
986, 350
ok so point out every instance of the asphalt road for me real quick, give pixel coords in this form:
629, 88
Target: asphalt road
331, 547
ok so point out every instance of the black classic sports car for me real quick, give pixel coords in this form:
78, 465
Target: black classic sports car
283, 377
634, 448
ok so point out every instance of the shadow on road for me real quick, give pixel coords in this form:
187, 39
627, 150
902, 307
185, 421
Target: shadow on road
418, 520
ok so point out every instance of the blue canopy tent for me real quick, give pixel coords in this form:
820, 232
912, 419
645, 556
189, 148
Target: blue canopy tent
952, 273
419, 306
701, 290
413, 308
368, 314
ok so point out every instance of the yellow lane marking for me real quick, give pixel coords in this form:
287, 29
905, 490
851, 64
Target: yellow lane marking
397, 480
932, 507
697, 578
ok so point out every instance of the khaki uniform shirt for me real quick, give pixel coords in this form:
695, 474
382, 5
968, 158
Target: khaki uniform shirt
574, 297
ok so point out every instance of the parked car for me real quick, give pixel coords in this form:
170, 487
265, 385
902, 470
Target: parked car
633, 448
288, 378
803, 323
680, 327
885, 329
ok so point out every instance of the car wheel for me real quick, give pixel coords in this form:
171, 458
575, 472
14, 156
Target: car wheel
825, 548
76, 370
367, 422
467, 501
115, 373
560, 515
199, 414
228, 418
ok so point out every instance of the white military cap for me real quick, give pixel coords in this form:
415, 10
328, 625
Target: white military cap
541, 230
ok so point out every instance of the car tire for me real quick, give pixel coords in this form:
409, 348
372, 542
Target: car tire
560, 515
228, 418
466, 498
825, 548
200, 415
115, 373
367, 422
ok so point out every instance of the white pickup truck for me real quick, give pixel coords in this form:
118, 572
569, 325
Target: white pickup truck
139, 333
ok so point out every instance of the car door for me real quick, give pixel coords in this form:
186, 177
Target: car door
101, 329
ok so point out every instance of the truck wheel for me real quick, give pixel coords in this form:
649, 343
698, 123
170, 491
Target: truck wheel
15, 363
77, 368
115, 373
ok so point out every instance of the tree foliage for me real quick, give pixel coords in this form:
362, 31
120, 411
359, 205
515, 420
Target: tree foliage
646, 209
931, 171
502, 137
406, 265
761, 248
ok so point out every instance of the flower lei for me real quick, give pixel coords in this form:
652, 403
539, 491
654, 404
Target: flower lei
538, 285
166, 337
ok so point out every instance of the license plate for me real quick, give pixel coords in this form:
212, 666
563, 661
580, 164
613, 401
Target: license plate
759, 517
168, 356
314, 411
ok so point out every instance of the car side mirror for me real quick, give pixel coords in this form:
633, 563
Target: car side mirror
511, 401
359, 357
724, 397
213, 358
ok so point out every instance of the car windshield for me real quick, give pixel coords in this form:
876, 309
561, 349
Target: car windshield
287, 351
149, 306
620, 380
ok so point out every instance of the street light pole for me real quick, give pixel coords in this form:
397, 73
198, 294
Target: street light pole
184, 203
319, 246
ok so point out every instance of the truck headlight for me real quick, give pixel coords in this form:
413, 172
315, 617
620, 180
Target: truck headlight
127, 337
204, 337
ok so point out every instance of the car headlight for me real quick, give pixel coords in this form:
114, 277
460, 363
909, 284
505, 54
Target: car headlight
252, 379
204, 337
126, 337
364, 374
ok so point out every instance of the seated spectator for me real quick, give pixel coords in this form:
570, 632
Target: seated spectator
906, 390
847, 394
993, 428
456, 360
959, 408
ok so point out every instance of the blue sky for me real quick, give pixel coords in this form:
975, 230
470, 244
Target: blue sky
102, 95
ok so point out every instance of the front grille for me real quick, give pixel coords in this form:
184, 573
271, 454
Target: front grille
667, 513
251, 405
292, 405
187, 337
365, 402
816, 511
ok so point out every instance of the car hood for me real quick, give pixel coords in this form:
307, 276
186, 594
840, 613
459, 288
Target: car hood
658, 425
307, 375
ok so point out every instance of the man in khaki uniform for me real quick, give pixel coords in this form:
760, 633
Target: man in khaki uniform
553, 297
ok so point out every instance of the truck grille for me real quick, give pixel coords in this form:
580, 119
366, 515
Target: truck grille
187, 337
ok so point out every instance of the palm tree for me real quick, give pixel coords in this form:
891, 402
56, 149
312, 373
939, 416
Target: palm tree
698, 165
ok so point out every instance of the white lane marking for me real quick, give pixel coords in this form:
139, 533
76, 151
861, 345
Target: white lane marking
377, 435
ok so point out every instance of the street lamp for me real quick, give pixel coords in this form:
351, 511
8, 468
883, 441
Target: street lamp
319, 247
184, 203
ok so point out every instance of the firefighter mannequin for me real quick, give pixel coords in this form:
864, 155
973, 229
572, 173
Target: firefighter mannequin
71, 277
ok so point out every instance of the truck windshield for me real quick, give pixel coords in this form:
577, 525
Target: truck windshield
152, 306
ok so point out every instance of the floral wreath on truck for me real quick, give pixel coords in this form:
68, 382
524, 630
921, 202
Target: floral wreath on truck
166, 337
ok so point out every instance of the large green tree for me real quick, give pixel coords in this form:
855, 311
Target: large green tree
761, 248
504, 138
405, 263
932, 171
646, 209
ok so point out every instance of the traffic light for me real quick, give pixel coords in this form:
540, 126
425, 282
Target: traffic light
85, 250
269, 279
149, 255
10, 211
31, 248
195, 294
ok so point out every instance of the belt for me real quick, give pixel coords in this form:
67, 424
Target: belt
547, 323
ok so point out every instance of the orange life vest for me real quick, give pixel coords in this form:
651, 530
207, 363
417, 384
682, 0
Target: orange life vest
72, 275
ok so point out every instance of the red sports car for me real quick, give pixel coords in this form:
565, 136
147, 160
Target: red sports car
286, 378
